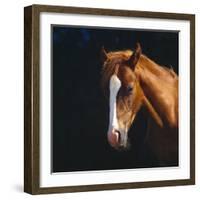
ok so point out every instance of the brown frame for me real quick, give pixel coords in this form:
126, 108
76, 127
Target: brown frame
32, 106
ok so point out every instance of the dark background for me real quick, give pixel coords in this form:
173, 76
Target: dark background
80, 111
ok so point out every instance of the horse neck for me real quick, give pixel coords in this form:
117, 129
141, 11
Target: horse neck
156, 83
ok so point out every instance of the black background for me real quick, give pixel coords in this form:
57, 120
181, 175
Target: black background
80, 111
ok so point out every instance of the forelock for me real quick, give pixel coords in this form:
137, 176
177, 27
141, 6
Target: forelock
114, 59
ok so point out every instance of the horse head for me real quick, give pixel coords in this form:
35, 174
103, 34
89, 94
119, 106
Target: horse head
125, 94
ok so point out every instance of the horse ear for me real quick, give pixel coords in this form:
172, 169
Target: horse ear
104, 55
152, 112
133, 60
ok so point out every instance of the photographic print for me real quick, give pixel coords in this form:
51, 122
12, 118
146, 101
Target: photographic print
114, 106
109, 99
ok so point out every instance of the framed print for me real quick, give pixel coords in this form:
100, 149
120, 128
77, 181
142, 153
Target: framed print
109, 99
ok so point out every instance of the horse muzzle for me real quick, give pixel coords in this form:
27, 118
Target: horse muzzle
117, 140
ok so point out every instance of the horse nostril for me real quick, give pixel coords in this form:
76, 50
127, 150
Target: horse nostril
114, 138
119, 139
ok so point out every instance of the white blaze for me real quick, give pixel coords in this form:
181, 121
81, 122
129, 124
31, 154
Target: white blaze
115, 85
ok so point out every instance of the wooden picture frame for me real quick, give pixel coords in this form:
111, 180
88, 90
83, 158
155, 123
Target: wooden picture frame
32, 106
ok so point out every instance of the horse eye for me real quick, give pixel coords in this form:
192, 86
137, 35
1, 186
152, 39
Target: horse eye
129, 88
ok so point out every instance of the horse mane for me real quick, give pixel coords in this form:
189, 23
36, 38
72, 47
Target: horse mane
117, 58
156, 68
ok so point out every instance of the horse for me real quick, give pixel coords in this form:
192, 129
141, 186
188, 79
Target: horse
131, 80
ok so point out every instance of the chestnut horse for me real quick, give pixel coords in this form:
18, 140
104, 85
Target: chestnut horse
132, 81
